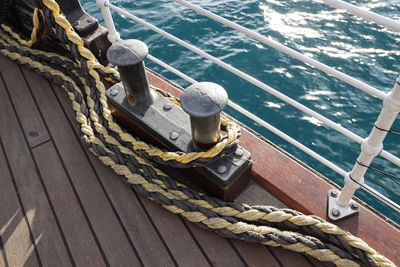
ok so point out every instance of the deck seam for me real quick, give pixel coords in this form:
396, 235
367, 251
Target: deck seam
3, 252
2, 248
275, 257
21, 204
98, 179
155, 227
237, 253
66, 171
308, 260
196, 241
40, 176
42, 143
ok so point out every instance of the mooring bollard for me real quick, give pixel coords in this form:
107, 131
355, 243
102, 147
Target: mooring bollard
204, 102
128, 56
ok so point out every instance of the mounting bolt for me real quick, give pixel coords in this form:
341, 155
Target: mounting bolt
333, 193
113, 92
221, 169
239, 152
204, 102
167, 106
128, 56
335, 212
173, 135
354, 205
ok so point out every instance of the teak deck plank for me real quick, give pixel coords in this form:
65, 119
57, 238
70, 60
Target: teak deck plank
39, 211
77, 232
182, 245
214, 245
17, 247
33, 126
139, 227
90, 194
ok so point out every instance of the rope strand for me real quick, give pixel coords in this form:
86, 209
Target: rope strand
129, 157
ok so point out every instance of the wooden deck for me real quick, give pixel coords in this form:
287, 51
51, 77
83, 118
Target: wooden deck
60, 206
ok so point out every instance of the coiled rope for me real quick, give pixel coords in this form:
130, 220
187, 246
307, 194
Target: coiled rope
135, 160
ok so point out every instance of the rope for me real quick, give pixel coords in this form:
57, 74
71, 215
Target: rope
129, 157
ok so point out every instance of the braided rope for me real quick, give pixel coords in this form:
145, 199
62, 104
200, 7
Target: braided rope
111, 156
256, 215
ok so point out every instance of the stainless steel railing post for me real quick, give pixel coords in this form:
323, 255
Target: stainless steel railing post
342, 205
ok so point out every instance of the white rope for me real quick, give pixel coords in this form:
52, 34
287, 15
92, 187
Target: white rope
291, 52
337, 127
366, 14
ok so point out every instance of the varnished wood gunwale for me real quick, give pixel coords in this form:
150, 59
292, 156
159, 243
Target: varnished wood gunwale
303, 189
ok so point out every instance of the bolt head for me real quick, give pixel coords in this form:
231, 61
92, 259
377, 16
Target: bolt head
354, 205
335, 212
222, 169
173, 135
333, 193
239, 152
113, 92
167, 106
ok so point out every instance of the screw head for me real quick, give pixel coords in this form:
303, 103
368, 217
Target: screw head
335, 212
113, 92
333, 193
221, 169
239, 152
354, 205
173, 135
167, 106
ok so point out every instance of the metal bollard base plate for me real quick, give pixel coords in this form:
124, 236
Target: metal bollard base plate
337, 212
166, 125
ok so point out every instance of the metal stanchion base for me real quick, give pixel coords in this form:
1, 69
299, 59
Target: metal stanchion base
337, 212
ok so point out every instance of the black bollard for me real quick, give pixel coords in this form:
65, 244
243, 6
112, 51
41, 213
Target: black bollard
204, 102
128, 56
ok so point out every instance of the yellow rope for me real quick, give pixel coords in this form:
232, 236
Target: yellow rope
158, 186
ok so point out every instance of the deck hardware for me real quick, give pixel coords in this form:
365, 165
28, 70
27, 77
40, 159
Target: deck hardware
173, 135
333, 193
239, 152
167, 106
129, 56
354, 205
221, 169
204, 102
337, 212
114, 92
155, 119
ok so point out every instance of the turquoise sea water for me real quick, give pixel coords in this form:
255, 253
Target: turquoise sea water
356, 47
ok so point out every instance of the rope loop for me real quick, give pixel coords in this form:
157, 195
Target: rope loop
82, 77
